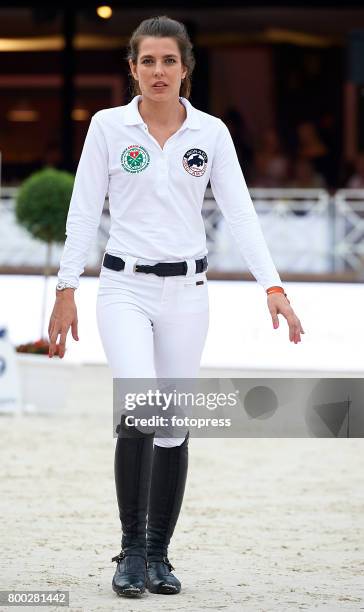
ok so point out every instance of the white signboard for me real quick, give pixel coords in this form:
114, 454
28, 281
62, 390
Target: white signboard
10, 401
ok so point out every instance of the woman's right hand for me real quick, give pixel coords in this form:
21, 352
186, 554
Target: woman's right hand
64, 316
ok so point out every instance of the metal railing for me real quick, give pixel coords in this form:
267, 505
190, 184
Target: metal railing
349, 230
307, 230
297, 225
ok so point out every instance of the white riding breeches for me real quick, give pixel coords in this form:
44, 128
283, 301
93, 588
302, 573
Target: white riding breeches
152, 326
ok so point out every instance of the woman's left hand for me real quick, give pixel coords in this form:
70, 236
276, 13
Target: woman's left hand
279, 304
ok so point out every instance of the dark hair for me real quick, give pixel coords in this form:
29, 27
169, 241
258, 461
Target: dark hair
161, 27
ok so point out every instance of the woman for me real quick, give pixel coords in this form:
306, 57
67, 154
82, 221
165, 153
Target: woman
154, 157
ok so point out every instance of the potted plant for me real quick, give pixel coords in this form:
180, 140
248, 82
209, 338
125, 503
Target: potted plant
41, 207
39, 347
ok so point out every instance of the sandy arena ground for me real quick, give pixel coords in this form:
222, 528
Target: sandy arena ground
266, 524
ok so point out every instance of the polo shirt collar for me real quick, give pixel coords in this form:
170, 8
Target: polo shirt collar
133, 117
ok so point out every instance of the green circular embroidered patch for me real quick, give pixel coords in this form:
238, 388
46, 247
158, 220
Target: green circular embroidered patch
135, 158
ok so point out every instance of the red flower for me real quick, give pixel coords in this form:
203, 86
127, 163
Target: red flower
39, 347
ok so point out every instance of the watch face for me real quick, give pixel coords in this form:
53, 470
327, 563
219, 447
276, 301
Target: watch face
64, 285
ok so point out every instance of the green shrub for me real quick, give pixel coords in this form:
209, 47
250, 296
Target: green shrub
41, 207
42, 204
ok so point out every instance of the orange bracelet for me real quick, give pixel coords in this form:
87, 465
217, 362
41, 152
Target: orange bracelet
276, 289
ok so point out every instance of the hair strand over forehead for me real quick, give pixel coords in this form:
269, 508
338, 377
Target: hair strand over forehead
162, 27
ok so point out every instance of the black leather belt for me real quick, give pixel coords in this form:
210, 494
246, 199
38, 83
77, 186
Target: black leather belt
178, 268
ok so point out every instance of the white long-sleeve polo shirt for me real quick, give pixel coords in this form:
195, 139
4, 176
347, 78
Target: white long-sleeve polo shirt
156, 195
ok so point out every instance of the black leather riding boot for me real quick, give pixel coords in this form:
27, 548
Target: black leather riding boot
133, 464
167, 488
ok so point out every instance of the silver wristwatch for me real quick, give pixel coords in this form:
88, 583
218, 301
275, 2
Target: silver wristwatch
61, 285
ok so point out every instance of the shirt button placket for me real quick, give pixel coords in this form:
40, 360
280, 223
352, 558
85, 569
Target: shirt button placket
163, 174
